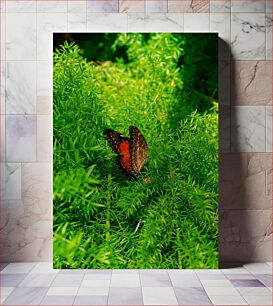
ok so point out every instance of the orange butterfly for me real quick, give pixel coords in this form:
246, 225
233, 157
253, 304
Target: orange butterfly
131, 150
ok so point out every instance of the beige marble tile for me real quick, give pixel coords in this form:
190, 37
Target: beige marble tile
44, 105
131, 6
251, 82
224, 129
188, 6
44, 138
44, 78
37, 189
15, 242
243, 181
224, 82
245, 235
3, 139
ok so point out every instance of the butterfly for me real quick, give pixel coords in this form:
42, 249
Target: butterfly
131, 150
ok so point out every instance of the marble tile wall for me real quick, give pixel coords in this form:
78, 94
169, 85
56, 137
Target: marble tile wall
245, 94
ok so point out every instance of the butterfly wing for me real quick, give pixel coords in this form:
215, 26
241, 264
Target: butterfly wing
120, 144
138, 150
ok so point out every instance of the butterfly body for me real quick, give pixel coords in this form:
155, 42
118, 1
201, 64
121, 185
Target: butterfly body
131, 150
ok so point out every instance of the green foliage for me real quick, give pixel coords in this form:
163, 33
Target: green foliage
167, 216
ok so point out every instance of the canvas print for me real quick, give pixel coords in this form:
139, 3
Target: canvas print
135, 150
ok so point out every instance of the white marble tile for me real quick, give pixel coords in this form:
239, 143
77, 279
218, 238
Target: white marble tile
87, 291
259, 300
159, 6
77, 22
77, 6
220, 23
20, 87
159, 296
258, 268
269, 6
131, 6
239, 270
96, 283
38, 280
171, 22
123, 280
198, 22
268, 128
47, 24
20, 138
135, 22
52, 6
254, 291
62, 291
44, 138
227, 290
249, 6
12, 181
100, 22
248, 129
44, 268
3, 138
21, 6
248, 36
219, 6
216, 283
227, 300
3, 37
3, 87
268, 29
67, 280
44, 78
26, 296
97, 276
5, 292
3, 6
20, 36
18, 267
102, 6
